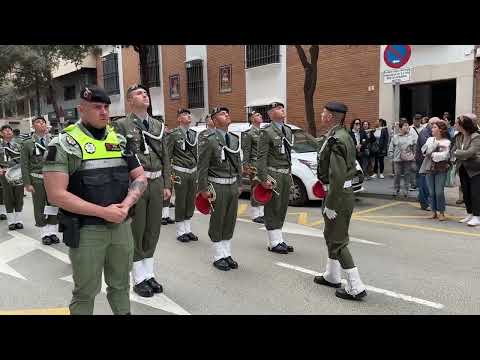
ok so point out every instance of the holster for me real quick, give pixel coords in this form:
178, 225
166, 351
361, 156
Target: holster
70, 227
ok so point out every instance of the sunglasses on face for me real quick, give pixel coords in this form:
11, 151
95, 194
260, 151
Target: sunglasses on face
357, 124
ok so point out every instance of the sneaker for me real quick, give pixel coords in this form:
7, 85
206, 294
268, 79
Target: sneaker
412, 188
459, 202
381, 176
475, 221
374, 176
467, 219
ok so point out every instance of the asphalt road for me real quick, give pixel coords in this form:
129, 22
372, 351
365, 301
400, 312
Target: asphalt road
410, 264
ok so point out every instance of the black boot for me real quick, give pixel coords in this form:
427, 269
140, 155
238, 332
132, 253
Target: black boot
155, 286
341, 293
18, 226
192, 237
3, 217
11, 227
164, 221
183, 238
221, 264
258, 220
279, 249
321, 281
46, 240
55, 239
232, 263
289, 248
143, 289
170, 221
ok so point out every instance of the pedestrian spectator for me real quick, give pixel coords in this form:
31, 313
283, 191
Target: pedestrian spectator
395, 129
450, 124
435, 165
415, 129
372, 148
381, 137
424, 121
423, 193
361, 141
402, 148
467, 154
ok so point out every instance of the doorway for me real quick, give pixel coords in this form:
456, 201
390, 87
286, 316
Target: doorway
428, 98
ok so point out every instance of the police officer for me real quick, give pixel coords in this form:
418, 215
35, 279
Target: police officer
219, 176
12, 193
274, 171
33, 150
147, 138
182, 147
250, 155
90, 175
336, 169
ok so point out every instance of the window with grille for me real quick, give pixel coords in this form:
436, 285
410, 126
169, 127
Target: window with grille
69, 93
110, 74
258, 55
262, 110
152, 67
195, 84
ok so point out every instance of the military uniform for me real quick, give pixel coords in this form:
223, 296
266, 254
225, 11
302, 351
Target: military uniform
219, 164
336, 169
182, 148
274, 159
148, 142
98, 170
250, 140
33, 150
166, 219
12, 194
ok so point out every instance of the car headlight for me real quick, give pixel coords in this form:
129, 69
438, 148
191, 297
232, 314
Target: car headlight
311, 164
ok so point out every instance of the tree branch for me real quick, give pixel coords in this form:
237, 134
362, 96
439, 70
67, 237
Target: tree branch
302, 56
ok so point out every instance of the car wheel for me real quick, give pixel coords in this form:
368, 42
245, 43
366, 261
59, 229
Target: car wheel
298, 194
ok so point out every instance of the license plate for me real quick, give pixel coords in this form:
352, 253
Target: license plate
356, 180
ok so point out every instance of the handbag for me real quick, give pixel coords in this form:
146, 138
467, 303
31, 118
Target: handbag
440, 166
374, 148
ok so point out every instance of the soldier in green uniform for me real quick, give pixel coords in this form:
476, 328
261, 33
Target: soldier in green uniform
90, 175
33, 150
12, 193
336, 169
219, 176
146, 136
166, 219
275, 163
250, 154
182, 148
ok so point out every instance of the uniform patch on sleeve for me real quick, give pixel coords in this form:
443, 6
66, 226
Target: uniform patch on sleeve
331, 141
52, 153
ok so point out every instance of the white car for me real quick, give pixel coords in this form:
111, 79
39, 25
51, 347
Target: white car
304, 164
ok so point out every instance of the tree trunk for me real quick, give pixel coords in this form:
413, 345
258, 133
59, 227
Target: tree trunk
52, 94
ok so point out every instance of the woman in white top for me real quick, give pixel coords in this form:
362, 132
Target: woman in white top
435, 166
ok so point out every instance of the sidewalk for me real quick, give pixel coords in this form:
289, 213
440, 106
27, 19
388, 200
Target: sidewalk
383, 188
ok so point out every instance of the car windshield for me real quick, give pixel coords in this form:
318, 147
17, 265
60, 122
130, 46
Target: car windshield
304, 142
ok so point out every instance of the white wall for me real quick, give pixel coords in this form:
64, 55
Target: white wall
432, 63
117, 107
156, 93
267, 83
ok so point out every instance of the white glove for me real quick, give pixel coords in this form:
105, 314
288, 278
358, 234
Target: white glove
331, 214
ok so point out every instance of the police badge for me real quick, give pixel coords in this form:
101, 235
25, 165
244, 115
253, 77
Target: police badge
90, 148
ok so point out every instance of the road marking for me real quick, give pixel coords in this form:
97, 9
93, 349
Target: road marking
52, 311
158, 301
371, 288
395, 203
315, 223
303, 219
241, 209
292, 228
418, 227
392, 217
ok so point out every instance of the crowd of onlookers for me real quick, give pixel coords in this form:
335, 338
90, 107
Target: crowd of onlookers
428, 154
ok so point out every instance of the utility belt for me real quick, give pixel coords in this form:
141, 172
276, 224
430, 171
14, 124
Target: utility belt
281, 171
35, 175
184, 170
153, 174
222, 181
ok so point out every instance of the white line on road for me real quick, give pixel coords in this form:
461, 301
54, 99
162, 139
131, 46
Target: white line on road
370, 288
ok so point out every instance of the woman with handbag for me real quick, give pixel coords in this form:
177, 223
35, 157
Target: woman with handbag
435, 165
402, 149
381, 145
467, 154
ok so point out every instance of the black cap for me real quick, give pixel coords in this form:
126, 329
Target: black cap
253, 113
336, 106
418, 116
275, 104
95, 94
216, 110
182, 111
6, 127
135, 87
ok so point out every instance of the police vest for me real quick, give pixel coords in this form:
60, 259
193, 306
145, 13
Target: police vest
102, 178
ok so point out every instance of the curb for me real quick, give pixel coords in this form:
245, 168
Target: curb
391, 197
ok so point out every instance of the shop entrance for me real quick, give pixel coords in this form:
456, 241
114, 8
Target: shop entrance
428, 98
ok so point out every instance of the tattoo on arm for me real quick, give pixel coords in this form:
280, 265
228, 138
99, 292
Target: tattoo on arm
136, 189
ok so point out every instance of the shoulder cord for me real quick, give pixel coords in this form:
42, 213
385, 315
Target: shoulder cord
159, 137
